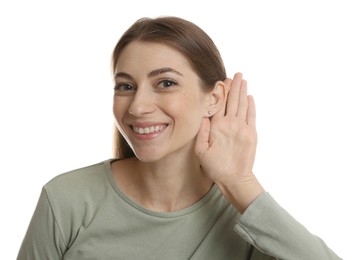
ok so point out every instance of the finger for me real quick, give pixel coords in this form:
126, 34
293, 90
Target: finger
202, 142
233, 96
243, 101
221, 112
251, 113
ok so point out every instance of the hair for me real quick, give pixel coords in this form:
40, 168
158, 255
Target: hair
187, 38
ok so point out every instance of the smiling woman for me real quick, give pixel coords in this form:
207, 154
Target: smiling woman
187, 39
162, 93
181, 184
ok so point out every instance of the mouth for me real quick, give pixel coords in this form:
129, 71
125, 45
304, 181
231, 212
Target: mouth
148, 129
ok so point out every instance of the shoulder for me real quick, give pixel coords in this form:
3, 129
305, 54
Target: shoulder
78, 184
78, 178
73, 198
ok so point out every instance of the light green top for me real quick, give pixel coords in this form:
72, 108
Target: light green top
83, 215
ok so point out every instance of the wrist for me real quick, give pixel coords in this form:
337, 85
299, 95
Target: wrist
241, 192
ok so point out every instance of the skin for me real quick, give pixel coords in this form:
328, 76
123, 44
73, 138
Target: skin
176, 166
231, 136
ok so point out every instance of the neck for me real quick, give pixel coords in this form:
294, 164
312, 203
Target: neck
167, 185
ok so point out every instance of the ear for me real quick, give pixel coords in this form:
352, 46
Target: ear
216, 99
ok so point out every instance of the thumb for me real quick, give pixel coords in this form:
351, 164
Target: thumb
202, 143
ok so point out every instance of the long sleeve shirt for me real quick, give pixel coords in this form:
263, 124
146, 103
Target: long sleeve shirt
83, 214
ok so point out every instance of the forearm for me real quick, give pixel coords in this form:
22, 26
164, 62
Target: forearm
267, 226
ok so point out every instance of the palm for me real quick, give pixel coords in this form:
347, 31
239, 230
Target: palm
226, 143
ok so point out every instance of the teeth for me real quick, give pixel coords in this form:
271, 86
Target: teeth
148, 130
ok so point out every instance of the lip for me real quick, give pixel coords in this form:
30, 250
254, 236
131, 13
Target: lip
145, 127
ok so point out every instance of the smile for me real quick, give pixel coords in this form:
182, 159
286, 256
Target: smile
148, 130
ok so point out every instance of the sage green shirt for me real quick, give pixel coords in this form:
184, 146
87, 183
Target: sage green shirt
83, 215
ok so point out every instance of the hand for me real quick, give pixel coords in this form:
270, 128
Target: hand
226, 145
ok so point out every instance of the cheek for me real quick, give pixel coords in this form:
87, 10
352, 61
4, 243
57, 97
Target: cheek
187, 111
193, 104
118, 108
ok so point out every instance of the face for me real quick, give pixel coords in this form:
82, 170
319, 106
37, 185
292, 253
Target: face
158, 101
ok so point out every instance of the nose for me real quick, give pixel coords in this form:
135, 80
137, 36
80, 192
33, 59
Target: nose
142, 102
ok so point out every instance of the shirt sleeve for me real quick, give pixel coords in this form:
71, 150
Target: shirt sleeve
43, 239
273, 231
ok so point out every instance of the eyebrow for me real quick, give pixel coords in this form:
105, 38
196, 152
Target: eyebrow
151, 74
156, 72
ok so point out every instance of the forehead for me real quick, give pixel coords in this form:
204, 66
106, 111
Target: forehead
147, 55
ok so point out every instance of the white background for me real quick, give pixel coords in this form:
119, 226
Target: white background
298, 58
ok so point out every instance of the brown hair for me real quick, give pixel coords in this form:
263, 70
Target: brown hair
184, 36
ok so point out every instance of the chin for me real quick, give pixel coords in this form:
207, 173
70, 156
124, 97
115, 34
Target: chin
147, 156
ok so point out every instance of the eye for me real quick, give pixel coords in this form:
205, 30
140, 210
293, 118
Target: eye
124, 88
166, 83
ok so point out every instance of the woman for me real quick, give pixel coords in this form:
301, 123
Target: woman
181, 185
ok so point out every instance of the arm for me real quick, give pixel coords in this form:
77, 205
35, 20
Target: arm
226, 147
43, 239
271, 229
